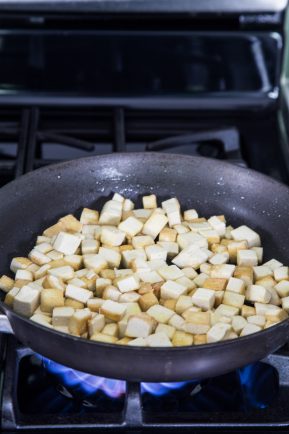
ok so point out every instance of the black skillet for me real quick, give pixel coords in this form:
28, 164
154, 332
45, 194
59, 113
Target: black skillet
38, 199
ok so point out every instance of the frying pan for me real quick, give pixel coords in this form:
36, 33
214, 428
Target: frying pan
38, 199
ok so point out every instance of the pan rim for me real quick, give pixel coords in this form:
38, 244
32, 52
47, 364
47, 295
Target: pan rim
194, 348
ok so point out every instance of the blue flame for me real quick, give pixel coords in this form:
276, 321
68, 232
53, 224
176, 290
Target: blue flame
89, 384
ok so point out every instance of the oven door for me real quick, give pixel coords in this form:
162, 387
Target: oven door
171, 69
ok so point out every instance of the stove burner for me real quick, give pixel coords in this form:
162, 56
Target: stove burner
253, 386
89, 384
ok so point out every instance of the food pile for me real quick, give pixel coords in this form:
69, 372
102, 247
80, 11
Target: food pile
152, 277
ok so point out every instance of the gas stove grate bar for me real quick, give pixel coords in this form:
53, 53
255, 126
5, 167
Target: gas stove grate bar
22, 143
119, 144
32, 139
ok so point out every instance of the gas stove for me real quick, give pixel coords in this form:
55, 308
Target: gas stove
92, 77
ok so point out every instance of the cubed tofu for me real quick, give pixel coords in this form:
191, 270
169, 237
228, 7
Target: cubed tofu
218, 225
141, 214
89, 246
73, 303
204, 298
191, 238
225, 310
167, 329
218, 332
10, 296
53, 282
129, 256
171, 289
38, 257
181, 339
41, 319
171, 248
65, 273
94, 304
51, 298
216, 284
184, 302
111, 213
6, 283
236, 285
190, 215
111, 293
199, 323
66, 243
170, 272
96, 324
44, 247
282, 288
176, 321
247, 258
147, 300
89, 216
191, 256
257, 293
155, 223
160, 313
281, 273
79, 294
189, 272
131, 226
101, 337
273, 264
168, 234
200, 339
124, 341
238, 323
129, 297
247, 311
95, 262
140, 326
233, 299
149, 202
261, 271
26, 301
61, 316
158, 340
138, 342
110, 256
24, 275
219, 258
156, 252
224, 271
20, 263
245, 233
249, 329
71, 224
258, 320
113, 310
245, 274
112, 236
110, 330
141, 241
128, 283
234, 246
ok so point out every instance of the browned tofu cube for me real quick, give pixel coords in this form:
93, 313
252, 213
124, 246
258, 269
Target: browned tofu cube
78, 322
51, 298
244, 273
145, 288
147, 300
170, 303
247, 311
217, 284
200, 339
181, 339
73, 303
6, 283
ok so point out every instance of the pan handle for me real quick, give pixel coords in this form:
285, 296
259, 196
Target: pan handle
5, 326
